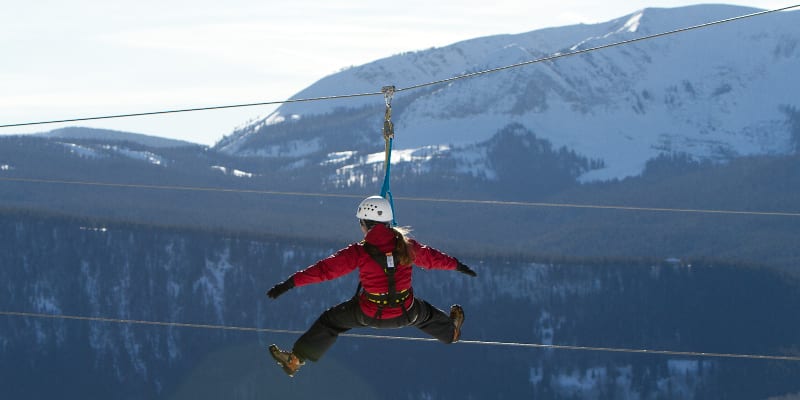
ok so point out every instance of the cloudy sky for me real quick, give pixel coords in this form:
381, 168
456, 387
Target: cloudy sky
85, 58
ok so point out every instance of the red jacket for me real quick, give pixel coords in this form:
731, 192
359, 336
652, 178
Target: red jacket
370, 273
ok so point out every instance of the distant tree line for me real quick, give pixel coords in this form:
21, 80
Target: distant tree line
764, 183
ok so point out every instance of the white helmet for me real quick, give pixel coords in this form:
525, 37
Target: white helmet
375, 208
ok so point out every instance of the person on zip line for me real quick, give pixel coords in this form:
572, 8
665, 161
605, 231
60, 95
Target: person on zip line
385, 297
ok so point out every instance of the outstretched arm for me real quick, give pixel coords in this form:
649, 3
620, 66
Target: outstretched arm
430, 258
340, 263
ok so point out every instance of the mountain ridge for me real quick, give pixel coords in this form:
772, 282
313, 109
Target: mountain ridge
84, 133
693, 93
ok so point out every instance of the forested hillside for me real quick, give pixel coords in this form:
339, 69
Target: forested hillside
198, 187
73, 266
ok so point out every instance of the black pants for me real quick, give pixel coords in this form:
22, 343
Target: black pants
339, 319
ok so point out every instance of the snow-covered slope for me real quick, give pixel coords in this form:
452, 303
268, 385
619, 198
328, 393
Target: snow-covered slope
715, 93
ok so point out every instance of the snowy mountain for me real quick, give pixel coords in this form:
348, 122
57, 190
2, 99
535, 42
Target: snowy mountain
715, 93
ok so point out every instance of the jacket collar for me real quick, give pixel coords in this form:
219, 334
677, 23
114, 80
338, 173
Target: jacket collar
381, 237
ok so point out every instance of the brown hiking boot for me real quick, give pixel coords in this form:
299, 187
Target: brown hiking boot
286, 359
457, 315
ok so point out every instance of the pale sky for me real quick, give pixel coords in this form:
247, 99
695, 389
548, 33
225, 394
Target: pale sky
85, 58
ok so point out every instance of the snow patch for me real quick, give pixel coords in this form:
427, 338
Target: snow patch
473, 161
580, 382
83, 151
536, 375
235, 172
288, 255
686, 367
241, 174
90, 286
277, 118
173, 290
633, 23
369, 167
212, 284
295, 148
546, 328
94, 229
296, 164
47, 305
146, 156
684, 376
103, 151
134, 349
338, 157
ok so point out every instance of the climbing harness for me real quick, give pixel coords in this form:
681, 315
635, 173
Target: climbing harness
388, 137
385, 299
392, 298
